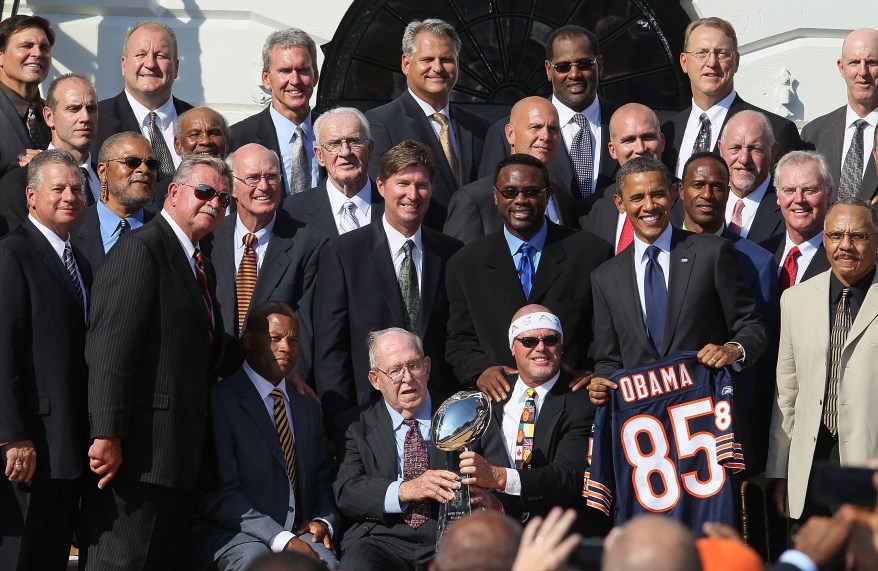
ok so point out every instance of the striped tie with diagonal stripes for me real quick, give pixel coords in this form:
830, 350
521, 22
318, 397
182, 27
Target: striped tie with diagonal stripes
287, 443
245, 281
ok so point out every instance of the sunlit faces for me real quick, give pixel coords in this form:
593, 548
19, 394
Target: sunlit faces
858, 66
803, 199
745, 148
393, 350
431, 71
201, 133
711, 79
149, 66
291, 77
534, 129
538, 364
74, 119
577, 88
252, 162
524, 214
274, 352
406, 198
27, 59
130, 187
646, 200
705, 191
850, 259
198, 218
59, 200
635, 132
348, 168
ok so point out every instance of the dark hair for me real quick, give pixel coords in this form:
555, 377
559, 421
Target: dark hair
407, 154
568, 31
705, 155
19, 22
257, 318
642, 165
522, 159
51, 101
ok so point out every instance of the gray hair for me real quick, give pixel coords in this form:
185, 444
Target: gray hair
50, 157
163, 27
756, 116
873, 216
178, 122
799, 159
109, 145
374, 336
286, 39
230, 159
184, 171
432, 26
342, 112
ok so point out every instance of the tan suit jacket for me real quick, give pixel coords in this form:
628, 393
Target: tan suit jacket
802, 368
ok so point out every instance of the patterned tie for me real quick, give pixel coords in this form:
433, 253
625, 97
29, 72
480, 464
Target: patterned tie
285, 435
526, 268
245, 281
702, 139
655, 292
300, 172
86, 187
201, 278
160, 148
524, 440
33, 128
582, 155
124, 226
347, 221
626, 237
789, 271
737, 224
840, 327
447, 148
70, 263
415, 462
408, 286
852, 170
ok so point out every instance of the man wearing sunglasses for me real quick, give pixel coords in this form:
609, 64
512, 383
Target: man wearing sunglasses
153, 349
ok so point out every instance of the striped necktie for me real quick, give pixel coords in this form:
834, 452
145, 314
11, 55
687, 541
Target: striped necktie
245, 281
285, 435
70, 264
840, 327
201, 278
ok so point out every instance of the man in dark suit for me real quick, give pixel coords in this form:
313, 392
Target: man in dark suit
286, 126
672, 290
846, 136
387, 274
124, 190
430, 52
574, 65
145, 105
71, 112
155, 338
44, 289
26, 49
529, 260
532, 129
346, 199
274, 480
710, 58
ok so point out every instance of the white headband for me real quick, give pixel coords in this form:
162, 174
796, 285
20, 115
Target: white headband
536, 320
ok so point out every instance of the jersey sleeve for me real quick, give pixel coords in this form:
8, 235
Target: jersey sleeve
600, 477
729, 453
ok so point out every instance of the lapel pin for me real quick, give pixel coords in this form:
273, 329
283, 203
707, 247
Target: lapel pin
684, 260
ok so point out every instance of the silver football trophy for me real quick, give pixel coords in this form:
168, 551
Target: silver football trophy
461, 420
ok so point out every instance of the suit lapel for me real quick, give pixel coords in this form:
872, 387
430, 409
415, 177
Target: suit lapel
501, 270
430, 281
626, 288
223, 258
88, 238
7, 109
377, 210
547, 418
682, 260
767, 216
266, 134
423, 132
382, 442
465, 138
835, 128
302, 435
52, 261
552, 261
320, 209
561, 171
277, 259
254, 407
865, 316
382, 265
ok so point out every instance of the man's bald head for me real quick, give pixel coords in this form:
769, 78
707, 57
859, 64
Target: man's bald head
858, 66
635, 132
652, 542
534, 129
483, 541
532, 308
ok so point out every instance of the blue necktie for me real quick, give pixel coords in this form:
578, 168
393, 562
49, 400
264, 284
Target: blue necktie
526, 268
656, 294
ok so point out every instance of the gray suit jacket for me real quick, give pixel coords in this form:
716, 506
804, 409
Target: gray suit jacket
15, 138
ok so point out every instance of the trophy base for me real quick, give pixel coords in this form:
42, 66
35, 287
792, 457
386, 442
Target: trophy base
452, 511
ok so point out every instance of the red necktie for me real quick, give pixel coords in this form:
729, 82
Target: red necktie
205, 293
789, 270
626, 237
737, 224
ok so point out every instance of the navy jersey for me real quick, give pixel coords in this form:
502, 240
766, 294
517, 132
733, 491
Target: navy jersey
665, 443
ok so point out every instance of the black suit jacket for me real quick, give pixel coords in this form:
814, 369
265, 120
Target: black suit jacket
826, 134
819, 263
708, 302
15, 138
150, 359
600, 215
357, 292
403, 119
258, 128
561, 169
117, 117
313, 208
484, 292
86, 235
42, 370
13, 200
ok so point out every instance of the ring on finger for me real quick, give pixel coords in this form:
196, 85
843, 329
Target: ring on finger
18, 467
539, 540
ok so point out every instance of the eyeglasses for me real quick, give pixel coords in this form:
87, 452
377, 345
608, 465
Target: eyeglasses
704, 55
807, 191
531, 342
207, 192
397, 374
134, 162
564, 66
511, 193
836, 237
253, 180
353, 143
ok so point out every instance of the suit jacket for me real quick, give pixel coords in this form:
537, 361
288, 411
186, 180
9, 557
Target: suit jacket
254, 500
13, 200
403, 119
4, 227
15, 138
484, 292
258, 128
599, 215
826, 134
313, 208
802, 369
86, 235
117, 117
819, 263
708, 302
42, 370
473, 213
150, 359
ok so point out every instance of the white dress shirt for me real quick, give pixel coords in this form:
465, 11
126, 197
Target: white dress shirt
569, 129
751, 205
868, 134
396, 241
164, 120
362, 202
262, 236
428, 111
716, 114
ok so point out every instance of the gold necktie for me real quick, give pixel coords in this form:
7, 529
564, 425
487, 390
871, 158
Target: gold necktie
287, 444
447, 148
245, 281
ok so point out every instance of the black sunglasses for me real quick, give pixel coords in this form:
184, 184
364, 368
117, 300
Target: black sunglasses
134, 162
207, 192
531, 342
511, 193
564, 66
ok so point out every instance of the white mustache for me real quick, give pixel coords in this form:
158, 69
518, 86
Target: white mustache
206, 209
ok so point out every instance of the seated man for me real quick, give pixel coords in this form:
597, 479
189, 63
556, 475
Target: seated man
274, 470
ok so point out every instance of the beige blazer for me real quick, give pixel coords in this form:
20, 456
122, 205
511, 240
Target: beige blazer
802, 368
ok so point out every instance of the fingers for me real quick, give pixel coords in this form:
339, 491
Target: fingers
599, 390
716, 356
580, 383
106, 480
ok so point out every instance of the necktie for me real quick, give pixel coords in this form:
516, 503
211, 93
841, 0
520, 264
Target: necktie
408, 286
789, 270
160, 148
582, 155
347, 221
736, 225
447, 148
201, 278
524, 440
70, 264
526, 268
852, 170
285, 435
626, 237
86, 187
702, 139
415, 462
33, 128
300, 173
655, 291
840, 327
124, 226
245, 281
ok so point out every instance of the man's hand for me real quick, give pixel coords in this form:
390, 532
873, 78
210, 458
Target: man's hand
21, 460
302, 387
104, 459
319, 532
436, 485
823, 538
493, 382
580, 378
599, 390
481, 473
718, 356
780, 497
23, 159
484, 499
299, 546
543, 545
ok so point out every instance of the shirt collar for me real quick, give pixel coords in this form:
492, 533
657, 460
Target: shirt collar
851, 117
187, 244
753, 199
428, 109
806, 247
422, 415
263, 385
241, 231
565, 114
538, 241
396, 240
722, 228
20, 103
362, 200
663, 242
858, 288
165, 114
714, 112
519, 391
55, 241
286, 129
109, 220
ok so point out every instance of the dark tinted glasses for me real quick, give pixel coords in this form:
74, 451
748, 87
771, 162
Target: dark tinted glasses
531, 342
564, 66
207, 192
511, 193
134, 162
